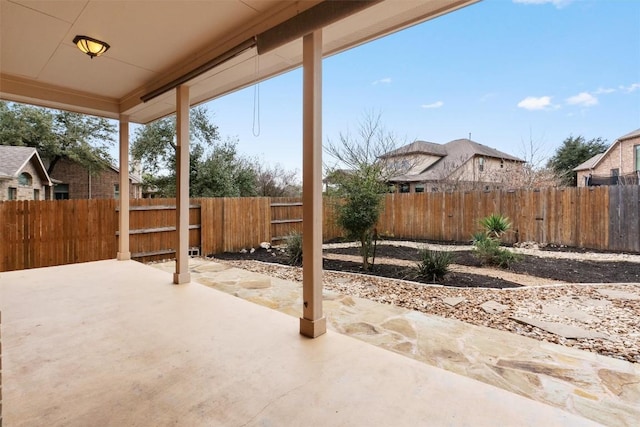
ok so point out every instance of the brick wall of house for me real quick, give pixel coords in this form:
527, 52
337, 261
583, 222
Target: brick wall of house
621, 156
78, 178
24, 192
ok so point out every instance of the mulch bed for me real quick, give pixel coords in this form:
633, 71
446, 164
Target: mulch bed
567, 270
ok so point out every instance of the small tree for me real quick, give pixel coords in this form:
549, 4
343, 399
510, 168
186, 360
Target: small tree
275, 181
573, 152
360, 212
363, 185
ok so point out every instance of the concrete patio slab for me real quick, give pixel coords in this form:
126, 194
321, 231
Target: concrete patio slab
115, 343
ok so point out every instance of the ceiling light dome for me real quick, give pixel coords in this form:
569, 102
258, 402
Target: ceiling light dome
90, 46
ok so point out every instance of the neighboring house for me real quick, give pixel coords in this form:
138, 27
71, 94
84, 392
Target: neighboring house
456, 165
619, 165
22, 174
74, 181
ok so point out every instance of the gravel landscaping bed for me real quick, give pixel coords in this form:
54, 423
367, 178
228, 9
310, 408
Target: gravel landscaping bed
609, 310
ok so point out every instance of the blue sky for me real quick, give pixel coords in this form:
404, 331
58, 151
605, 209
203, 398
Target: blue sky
506, 71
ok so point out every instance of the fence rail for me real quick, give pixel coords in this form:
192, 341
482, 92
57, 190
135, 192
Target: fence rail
45, 233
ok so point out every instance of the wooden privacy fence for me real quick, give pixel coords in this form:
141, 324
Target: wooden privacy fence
45, 233
152, 228
574, 216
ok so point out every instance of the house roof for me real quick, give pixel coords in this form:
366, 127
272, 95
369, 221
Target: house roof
456, 153
589, 164
13, 159
593, 162
471, 148
418, 147
630, 135
215, 45
134, 178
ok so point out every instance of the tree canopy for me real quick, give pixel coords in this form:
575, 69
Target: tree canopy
573, 152
216, 167
57, 134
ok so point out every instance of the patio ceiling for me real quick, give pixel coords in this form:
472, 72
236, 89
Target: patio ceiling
153, 43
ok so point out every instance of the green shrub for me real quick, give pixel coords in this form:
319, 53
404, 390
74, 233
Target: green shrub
294, 248
495, 225
433, 265
479, 236
486, 243
489, 252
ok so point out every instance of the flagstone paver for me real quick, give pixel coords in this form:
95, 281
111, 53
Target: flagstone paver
493, 307
600, 388
566, 331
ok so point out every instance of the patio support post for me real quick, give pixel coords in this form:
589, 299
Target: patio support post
182, 185
312, 323
123, 219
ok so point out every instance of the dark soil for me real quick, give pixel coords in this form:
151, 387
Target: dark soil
566, 270
379, 269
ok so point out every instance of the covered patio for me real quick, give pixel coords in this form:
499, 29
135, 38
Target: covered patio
151, 61
114, 343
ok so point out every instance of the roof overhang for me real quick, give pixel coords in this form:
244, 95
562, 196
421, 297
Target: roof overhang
154, 44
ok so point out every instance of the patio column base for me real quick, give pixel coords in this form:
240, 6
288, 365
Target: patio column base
313, 328
124, 256
180, 278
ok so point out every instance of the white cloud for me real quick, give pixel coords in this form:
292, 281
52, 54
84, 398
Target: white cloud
583, 99
631, 88
602, 91
532, 103
557, 3
385, 80
436, 104
487, 96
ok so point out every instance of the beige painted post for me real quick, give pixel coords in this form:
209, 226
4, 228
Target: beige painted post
182, 186
123, 241
312, 323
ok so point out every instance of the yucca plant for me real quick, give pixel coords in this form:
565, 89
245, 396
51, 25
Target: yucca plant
433, 265
487, 242
495, 225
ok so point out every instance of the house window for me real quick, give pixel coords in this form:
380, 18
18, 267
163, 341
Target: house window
61, 192
36, 194
13, 193
501, 163
25, 179
116, 191
419, 188
481, 164
637, 150
404, 188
